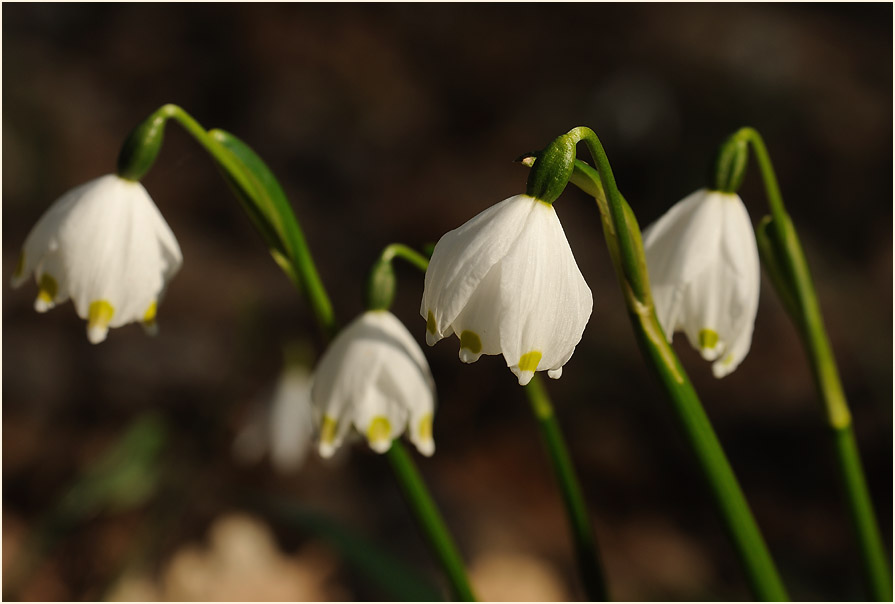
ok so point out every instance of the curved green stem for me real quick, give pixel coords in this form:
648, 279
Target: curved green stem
619, 224
785, 260
409, 254
430, 520
586, 550
256, 188
630, 252
381, 286
588, 555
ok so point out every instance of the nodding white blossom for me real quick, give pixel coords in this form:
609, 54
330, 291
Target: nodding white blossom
704, 272
375, 378
105, 245
506, 282
284, 426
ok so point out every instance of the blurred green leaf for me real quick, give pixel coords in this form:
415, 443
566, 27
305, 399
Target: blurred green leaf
123, 478
390, 574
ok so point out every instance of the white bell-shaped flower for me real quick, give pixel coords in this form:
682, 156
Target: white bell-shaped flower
704, 271
106, 246
375, 378
506, 282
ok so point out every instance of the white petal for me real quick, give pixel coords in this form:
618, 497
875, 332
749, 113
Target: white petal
681, 243
740, 253
52, 283
103, 242
410, 385
344, 370
735, 353
291, 421
679, 247
379, 418
112, 252
42, 239
375, 377
478, 324
96, 334
547, 302
668, 301
463, 257
704, 270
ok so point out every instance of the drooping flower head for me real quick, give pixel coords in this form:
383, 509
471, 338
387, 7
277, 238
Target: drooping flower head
506, 282
106, 246
375, 378
704, 271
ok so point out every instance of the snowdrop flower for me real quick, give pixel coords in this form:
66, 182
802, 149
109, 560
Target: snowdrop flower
374, 377
106, 246
704, 270
506, 282
284, 426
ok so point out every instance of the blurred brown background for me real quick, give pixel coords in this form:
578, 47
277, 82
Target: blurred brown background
397, 123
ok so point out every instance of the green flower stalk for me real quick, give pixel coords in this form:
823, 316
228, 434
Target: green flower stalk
401, 392
587, 553
625, 246
782, 255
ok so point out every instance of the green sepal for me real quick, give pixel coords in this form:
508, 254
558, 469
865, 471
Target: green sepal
730, 165
142, 145
381, 285
552, 170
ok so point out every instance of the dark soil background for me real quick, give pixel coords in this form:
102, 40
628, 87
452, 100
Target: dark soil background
397, 123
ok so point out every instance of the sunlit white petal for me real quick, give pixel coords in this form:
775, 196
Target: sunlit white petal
514, 288
704, 271
105, 245
375, 379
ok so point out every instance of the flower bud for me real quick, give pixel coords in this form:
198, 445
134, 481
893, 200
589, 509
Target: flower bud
142, 145
381, 285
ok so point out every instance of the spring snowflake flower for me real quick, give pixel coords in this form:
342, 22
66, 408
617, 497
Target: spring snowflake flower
374, 377
704, 271
284, 426
506, 282
106, 246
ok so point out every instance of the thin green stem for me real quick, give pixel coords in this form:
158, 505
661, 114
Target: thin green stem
295, 243
619, 224
586, 549
381, 286
407, 253
576, 508
786, 261
286, 235
430, 520
630, 255
877, 567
